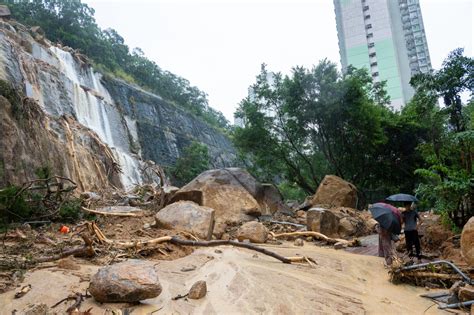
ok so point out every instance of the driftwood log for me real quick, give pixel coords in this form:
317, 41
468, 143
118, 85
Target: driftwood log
318, 236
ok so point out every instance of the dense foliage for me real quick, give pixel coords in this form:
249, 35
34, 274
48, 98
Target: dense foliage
317, 122
72, 23
448, 178
193, 162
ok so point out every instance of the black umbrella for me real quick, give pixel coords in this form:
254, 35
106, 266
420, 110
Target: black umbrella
383, 214
402, 197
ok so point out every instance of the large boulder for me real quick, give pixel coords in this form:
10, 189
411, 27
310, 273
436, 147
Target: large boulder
187, 216
335, 192
130, 282
323, 221
467, 242
233, 193
253, 231
339, 222
4, 11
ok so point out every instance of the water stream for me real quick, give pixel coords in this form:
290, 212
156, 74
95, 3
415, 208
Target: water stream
95, 109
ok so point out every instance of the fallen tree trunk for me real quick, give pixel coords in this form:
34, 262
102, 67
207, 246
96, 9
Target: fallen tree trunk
319, 236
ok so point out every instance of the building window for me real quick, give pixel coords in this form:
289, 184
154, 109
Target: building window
372, 55
367, 17
368, 26
375, 74
373, 64
366, 8
371, 45
370, 35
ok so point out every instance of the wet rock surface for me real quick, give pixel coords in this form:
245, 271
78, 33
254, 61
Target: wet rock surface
335, 192
467, 242
187, 216
253, 231
232, 192
130, 281
198, 290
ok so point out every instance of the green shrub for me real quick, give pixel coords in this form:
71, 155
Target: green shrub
291, 191
70, 210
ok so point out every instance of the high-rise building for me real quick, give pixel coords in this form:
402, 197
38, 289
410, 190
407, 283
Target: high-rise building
388, 38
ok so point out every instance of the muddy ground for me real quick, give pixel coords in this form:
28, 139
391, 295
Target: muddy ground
240, 281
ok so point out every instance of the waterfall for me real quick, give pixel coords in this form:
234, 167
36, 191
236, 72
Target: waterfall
95, 109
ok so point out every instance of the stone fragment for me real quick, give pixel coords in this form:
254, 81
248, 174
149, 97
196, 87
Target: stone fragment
187, 216
339, 245
234, 195
335, 192
130, 281
323, 221
253, 231
4, 11
466, 293
198, 290
298, 242
467, 242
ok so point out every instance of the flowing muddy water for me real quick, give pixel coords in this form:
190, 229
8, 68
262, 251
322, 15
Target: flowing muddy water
242, 282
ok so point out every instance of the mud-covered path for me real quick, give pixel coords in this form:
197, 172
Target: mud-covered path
242, 282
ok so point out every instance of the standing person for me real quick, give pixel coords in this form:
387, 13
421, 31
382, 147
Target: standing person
411, 219
385, 234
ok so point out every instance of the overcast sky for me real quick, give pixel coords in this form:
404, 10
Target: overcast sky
219, 45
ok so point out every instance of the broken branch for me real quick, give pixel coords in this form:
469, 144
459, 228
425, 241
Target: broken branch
117, 214
87, 250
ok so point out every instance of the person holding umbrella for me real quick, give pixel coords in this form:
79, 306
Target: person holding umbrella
411, 220
389, 223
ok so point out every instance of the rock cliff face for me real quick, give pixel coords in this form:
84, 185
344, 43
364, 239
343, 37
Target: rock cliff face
132, 124
164, 130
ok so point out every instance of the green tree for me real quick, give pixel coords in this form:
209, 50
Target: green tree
193, 162
448, 175
314, 122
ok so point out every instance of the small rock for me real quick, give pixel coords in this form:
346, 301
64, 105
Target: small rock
298, 242
254, 231
37, 309
188, 268
309, 239
225, 237
147, 226
301, 213
129, 281
339, 245
218, 251
466, 293
198, 290
254, 256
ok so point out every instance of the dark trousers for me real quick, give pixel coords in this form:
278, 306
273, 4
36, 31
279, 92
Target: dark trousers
412, 239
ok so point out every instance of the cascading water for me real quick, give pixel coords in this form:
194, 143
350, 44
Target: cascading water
95, 109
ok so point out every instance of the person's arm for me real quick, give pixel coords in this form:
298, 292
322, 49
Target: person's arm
418, 221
